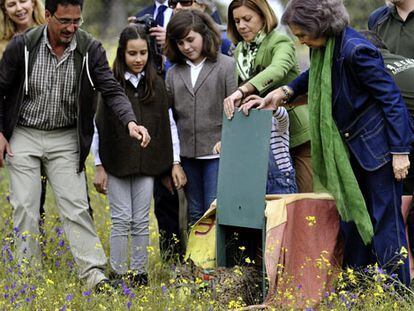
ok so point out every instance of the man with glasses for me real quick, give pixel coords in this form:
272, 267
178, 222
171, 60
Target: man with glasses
48, 78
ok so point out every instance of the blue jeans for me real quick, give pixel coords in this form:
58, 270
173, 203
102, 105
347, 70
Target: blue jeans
279, 182
201, 188
382, 194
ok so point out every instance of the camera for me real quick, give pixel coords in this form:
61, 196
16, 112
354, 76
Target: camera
148, 22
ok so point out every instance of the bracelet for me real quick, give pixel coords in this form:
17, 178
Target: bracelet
287, 94
176, 162
242, 92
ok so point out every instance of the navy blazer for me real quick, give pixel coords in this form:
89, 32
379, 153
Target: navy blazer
151, 9
148, 10
367, 106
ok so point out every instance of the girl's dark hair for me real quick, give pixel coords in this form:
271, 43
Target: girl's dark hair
179, 27
133, 32
51, 5
319, 18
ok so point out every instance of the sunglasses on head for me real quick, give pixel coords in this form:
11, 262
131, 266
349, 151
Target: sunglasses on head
173, 3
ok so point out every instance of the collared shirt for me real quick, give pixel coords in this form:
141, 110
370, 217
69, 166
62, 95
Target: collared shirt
51, 100
134, 79
167, 13
398, 34
195, 70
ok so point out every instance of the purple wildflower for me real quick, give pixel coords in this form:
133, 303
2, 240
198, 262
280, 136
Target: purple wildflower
86, 293
129, 304
59, 231
125, 289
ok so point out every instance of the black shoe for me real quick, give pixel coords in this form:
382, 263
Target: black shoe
137, 279
104, 287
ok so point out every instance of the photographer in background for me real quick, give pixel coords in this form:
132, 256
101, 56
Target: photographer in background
161, 14
162, 11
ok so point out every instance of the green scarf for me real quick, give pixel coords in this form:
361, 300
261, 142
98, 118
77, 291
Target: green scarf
332, 171
245, 61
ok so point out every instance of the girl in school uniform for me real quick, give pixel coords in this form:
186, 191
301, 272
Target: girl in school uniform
198, 83
124, 170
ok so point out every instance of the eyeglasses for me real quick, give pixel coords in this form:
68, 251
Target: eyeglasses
173, 3
67, 22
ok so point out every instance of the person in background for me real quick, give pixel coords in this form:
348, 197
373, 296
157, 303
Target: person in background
360, 131
267, 59
123, 169
17, 17
161, 14
394, 23
198, 82
402, 70
51, 124
158, 32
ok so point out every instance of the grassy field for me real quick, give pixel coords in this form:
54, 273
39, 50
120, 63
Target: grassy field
55, 286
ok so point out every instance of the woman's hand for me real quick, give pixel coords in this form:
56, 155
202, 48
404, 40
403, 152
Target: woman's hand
400, 165
251, 102
101, 180
234, 100
178, 176
271, 101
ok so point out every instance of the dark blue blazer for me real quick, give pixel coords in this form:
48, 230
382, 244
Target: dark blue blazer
151, 9
366, 104
148, 10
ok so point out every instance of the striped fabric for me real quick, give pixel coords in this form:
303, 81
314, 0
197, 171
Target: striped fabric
279, 140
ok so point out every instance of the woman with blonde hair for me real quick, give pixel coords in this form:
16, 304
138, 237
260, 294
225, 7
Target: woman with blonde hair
266, 59
18, 16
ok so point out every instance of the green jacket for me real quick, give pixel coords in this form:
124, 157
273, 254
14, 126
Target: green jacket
276, 65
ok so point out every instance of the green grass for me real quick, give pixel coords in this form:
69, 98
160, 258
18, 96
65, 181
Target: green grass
55, 285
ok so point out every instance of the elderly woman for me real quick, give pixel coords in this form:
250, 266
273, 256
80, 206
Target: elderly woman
17, 16
360, 132
266, 59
